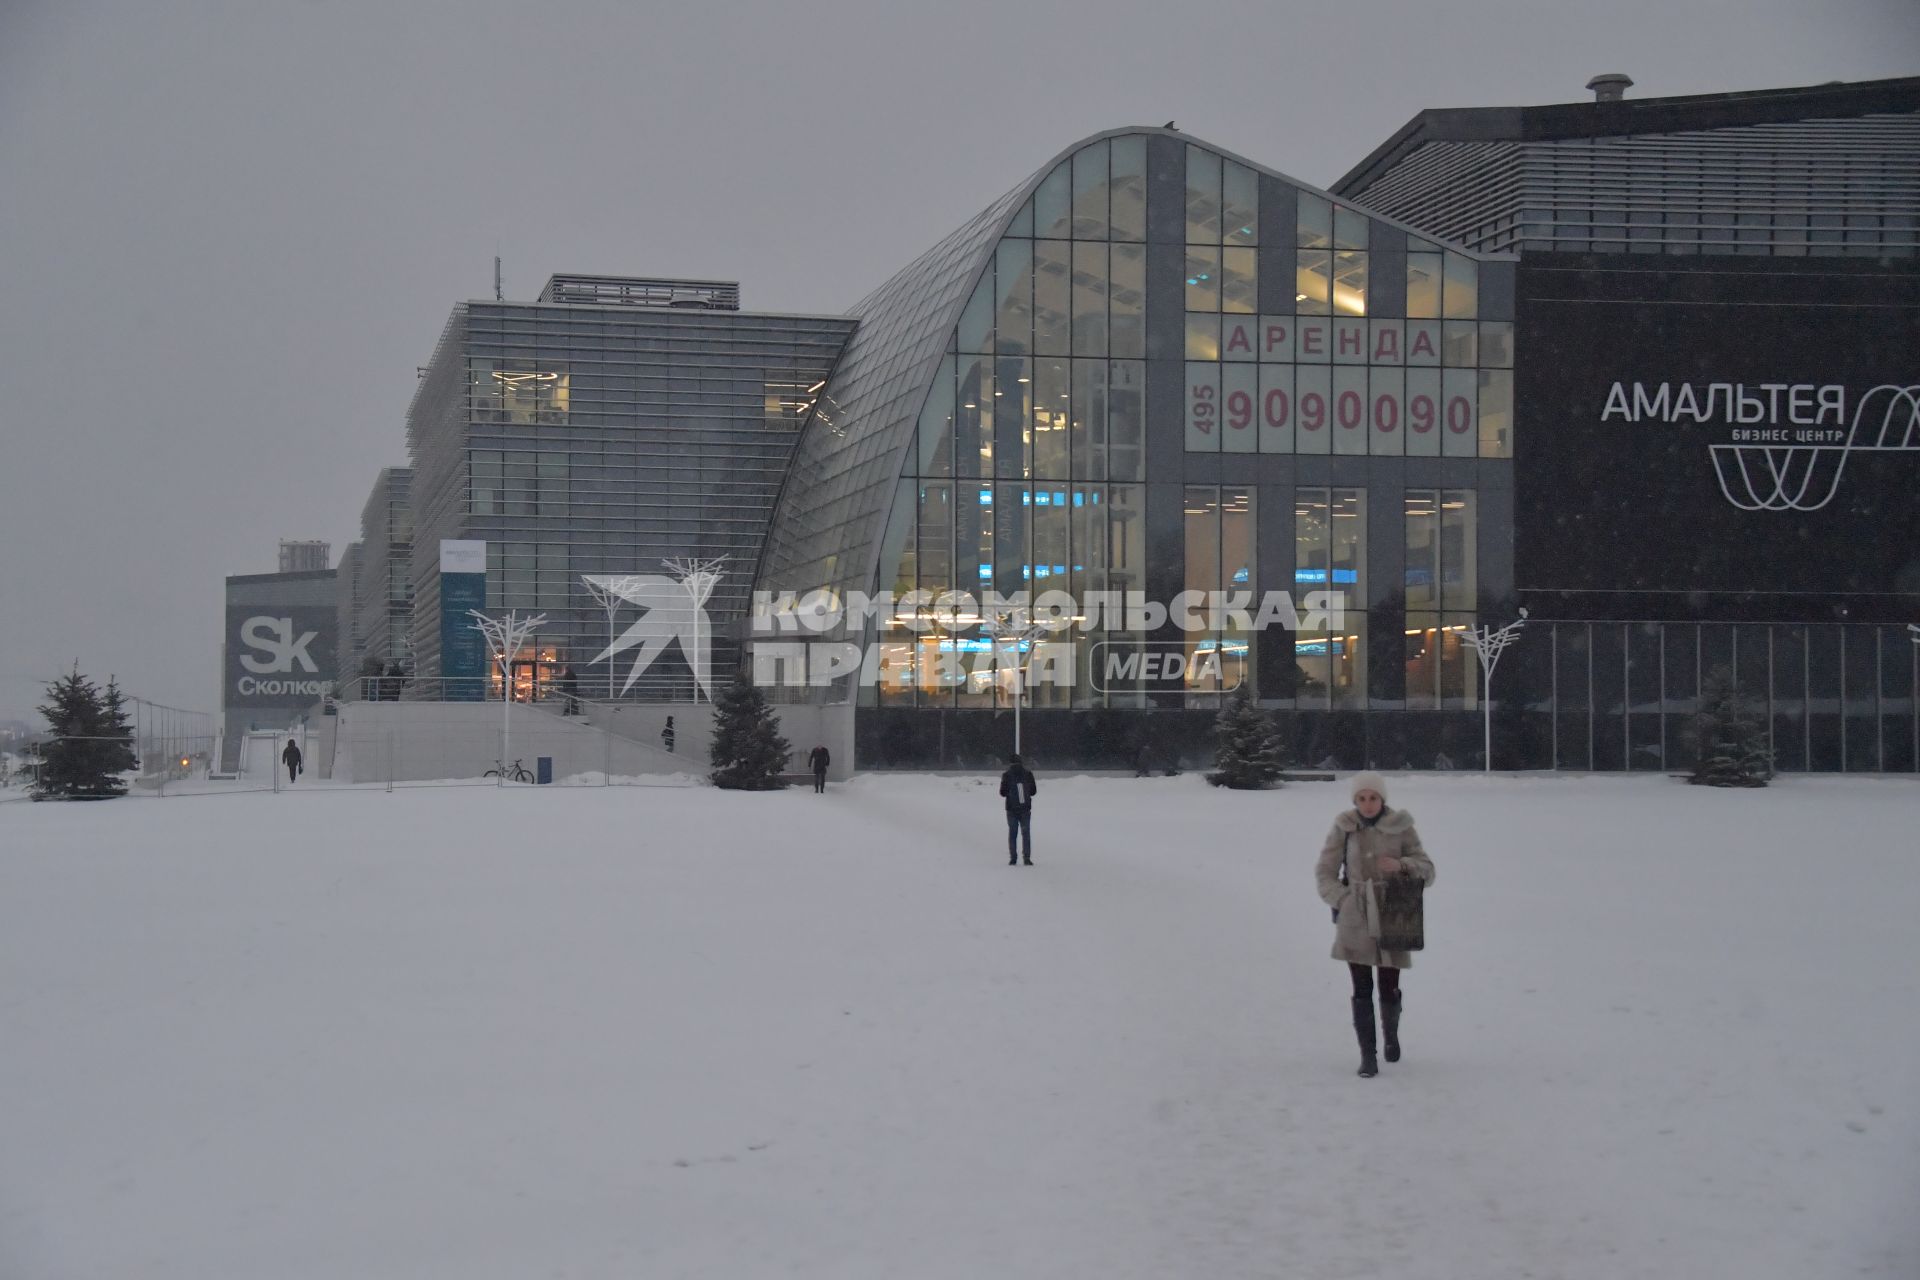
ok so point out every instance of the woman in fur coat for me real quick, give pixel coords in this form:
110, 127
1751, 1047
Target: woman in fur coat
1368, 843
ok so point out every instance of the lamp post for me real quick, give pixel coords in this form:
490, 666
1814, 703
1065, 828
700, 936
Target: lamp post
610, 593
697, 577
1489, 644
1003, 624
505, 637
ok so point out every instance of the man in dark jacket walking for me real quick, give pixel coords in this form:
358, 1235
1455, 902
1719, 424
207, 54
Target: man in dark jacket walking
818, 760
1018, 786
291, 758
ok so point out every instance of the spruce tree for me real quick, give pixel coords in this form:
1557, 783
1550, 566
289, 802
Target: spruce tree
1249, 755
122, 754
748, 753
80, 761
1730, 741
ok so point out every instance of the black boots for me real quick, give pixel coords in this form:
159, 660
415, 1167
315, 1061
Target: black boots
1363, 1028
1390, 1024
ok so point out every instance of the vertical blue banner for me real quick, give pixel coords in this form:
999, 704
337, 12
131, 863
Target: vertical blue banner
463, 650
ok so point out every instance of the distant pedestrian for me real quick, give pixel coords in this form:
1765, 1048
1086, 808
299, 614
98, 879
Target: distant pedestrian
1017, 785
817, 760
1368, 844
1143, 761
569, 692
666, 735
291, 758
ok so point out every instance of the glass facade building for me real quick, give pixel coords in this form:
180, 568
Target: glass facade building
346, 582
608, 426
1174, 386
1156, 367
383, 591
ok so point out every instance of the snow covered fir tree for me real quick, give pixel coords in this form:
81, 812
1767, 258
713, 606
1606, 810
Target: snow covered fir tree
90, 743
1728, 736
748, 753
1249, 755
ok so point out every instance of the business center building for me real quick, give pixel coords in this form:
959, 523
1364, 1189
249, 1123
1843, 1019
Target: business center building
1502, 364
1718, 309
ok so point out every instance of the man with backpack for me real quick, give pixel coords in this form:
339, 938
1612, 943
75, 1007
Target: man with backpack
1017, 785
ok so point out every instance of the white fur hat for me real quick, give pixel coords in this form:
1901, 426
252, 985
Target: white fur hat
1367, 782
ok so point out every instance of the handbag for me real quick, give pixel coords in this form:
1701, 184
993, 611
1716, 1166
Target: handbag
1403, 925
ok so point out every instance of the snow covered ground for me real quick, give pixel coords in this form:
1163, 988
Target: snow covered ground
674, 1032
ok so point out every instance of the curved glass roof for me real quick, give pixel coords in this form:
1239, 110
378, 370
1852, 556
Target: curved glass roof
839, 499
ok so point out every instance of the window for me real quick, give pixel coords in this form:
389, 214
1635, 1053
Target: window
1203, 196
1423, 286
1219, 558
519, 391
1330, 555
1442, 598
483, 483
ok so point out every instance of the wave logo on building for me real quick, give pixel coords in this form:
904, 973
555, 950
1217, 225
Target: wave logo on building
672, 609
1805, 477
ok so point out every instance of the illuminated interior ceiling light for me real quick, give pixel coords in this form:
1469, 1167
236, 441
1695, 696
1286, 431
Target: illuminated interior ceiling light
816, 386
1023, 379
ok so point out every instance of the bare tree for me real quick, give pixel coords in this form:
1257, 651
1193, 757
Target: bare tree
505, 638
697, 577
1490, 644
610, 593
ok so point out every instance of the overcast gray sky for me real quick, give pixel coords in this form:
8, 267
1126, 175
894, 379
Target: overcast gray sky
230, 231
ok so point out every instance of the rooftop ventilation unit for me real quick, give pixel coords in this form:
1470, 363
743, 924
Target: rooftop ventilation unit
1610, 86
637, 291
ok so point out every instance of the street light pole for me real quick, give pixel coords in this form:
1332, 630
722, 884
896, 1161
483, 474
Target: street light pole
1489, 644
505, 637
1002, 624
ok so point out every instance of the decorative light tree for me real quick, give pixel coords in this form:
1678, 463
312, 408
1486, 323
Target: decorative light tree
505, 638
1014, 625
610, 593
1490, 644
697, 577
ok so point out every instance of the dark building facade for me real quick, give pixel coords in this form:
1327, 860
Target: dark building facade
279, 651
1718, 327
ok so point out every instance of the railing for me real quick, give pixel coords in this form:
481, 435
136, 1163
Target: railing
551, 692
